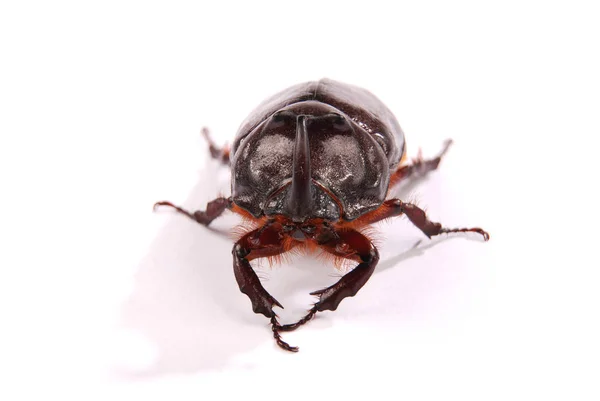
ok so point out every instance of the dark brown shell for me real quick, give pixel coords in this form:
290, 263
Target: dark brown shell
319, 149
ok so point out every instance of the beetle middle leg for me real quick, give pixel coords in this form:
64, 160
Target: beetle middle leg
419, 166
348, 244
213, 210
417, 216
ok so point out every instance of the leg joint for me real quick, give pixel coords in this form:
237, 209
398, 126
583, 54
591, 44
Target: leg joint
371, 257
239, 251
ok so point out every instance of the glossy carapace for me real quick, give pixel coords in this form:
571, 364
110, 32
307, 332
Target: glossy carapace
319, 149
311, 167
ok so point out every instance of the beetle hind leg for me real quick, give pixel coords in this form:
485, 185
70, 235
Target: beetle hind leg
419, 166
221, 154
213, 210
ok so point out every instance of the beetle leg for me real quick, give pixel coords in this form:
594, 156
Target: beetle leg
213, 210
350, 245
293, 326
221, 154
262, 242
419, 166
417, 216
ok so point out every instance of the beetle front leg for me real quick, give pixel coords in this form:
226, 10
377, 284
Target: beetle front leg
249, 283
213, 210
262, 242
350, 245
348, 285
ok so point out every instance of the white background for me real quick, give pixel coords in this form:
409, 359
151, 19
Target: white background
100, 111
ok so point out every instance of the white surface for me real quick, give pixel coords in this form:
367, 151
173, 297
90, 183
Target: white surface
101, 111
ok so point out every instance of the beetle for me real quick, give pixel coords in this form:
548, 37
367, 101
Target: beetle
311, 168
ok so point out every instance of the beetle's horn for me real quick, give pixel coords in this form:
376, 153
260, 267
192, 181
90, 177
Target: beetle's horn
300, 196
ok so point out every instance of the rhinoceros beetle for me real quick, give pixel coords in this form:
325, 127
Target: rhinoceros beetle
311, 168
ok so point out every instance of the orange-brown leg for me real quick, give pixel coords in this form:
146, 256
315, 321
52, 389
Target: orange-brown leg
347, 244
417, 216
262, 242
221, 154
419, 167
213, 210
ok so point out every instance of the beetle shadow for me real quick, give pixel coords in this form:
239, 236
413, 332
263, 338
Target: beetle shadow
418, 249
185, 302
404, 191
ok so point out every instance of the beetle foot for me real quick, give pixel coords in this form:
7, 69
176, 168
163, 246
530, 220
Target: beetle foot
199, 216
293, 326
276, 327
169, 204
477, 230
447, 143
